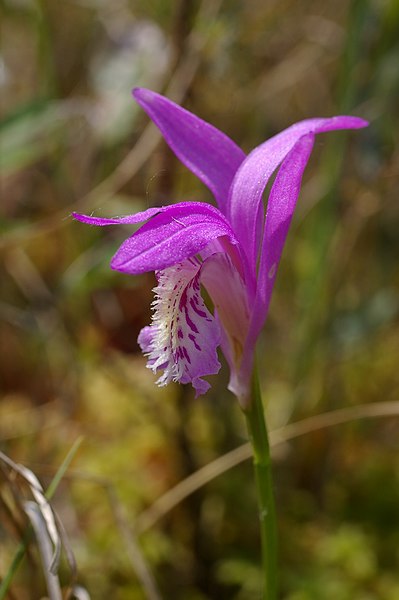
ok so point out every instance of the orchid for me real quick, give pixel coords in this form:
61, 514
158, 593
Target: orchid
232, 251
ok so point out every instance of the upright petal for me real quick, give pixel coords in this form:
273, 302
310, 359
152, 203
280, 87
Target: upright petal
281, 205
184, 336
207, 152
245, 204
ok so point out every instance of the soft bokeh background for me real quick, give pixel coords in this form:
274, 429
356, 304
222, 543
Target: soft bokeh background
72, 139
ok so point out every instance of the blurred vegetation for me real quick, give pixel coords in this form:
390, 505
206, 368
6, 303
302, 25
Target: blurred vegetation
71, 138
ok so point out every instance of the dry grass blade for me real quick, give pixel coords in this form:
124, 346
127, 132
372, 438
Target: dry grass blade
67, 549
41, 530
10, 501
42, 504
134, 554
47, 514
133, 549
332, 418
222, 464
80, 593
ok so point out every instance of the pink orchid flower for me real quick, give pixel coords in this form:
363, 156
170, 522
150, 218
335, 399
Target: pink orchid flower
233, 251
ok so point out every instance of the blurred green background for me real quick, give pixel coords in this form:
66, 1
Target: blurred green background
71, 138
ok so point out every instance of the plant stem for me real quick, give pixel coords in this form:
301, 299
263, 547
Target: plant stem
262, 464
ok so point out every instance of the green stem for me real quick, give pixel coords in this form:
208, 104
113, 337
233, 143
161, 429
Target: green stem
262, 464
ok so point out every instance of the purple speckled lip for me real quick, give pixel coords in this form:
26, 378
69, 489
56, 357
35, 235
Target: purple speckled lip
233, 250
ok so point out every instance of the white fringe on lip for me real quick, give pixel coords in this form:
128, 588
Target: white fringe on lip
184, 336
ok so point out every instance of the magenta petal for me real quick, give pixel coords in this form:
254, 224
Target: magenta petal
282, 201
230, 296
101, 221
245, 203
177, 232
207, 152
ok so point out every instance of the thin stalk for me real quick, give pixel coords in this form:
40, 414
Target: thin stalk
263, 475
